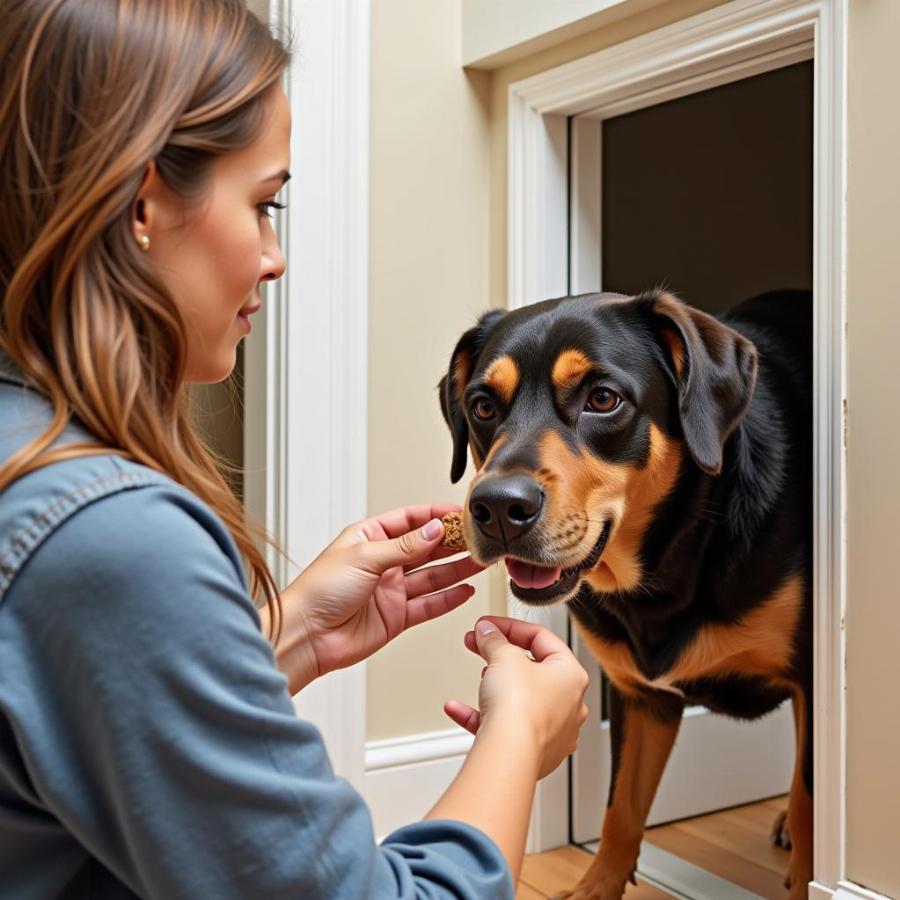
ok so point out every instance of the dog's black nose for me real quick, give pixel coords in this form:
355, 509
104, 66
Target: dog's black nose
506, 507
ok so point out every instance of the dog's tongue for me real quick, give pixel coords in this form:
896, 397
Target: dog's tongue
526, 575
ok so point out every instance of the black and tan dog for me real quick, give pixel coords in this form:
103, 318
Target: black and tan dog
651, 466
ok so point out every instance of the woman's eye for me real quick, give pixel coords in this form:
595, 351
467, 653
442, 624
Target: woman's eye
483, 409
265, 209
602, 400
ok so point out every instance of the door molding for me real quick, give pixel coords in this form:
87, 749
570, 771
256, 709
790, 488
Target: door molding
711, 48
305, 458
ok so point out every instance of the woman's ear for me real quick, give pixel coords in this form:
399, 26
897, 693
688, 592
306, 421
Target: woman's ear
714, 368
154, 206
453, 385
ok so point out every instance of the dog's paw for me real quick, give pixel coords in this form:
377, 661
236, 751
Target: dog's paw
595, 890
781, 833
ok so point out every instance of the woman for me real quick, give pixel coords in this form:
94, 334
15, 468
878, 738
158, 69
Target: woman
148, 745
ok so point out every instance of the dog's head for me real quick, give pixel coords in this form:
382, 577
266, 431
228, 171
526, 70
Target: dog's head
580, 414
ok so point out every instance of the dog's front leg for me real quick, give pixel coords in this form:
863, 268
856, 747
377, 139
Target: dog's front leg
642, 731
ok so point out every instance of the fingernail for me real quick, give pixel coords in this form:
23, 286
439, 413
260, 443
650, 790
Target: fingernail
432, 529
485, 626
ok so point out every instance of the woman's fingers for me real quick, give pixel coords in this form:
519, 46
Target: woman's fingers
431, 606
436, 578
407, 518
463, 715
538, 640
440, 552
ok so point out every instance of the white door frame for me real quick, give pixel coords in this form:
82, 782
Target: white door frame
305, 458
682, 58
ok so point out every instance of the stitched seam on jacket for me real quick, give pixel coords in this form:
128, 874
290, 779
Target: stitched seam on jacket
27, 540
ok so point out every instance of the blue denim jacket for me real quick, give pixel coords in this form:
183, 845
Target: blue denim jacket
148, 743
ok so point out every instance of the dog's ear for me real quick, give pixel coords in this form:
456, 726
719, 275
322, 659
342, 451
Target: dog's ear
714, 369
453, 384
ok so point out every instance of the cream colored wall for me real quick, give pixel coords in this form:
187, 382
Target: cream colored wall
873, 486
428, 279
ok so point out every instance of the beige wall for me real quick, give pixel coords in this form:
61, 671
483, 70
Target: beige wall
428, 281
873, 486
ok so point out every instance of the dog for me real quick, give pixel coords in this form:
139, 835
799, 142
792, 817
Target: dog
650, 465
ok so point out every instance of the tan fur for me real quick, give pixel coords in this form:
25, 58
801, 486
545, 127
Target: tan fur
758, 644
568, 370
502, 377
647, 743
676, 349
591, 491
800, 812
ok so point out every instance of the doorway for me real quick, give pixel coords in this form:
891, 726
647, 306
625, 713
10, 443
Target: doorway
709, 195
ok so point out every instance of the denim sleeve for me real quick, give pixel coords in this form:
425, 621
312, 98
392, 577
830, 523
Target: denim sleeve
156, 727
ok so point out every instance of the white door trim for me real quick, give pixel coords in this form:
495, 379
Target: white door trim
684, 57
305, 457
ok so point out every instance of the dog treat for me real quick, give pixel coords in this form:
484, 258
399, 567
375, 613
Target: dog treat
453, 531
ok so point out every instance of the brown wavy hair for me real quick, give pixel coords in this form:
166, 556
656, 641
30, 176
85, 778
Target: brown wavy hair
90, 92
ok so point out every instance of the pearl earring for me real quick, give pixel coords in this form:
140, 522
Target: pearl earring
144, 242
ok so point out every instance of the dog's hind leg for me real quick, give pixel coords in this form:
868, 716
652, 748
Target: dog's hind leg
642, 735
800, 802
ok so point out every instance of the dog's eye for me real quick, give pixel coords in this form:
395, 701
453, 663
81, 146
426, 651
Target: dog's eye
483, 409
603, 400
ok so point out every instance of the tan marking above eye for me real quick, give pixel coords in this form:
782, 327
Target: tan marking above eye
570, 367
502, 377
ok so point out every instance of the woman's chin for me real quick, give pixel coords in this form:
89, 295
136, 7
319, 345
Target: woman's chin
212, 371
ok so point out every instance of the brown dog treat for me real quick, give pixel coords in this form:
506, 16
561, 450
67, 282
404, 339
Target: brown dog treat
453, 531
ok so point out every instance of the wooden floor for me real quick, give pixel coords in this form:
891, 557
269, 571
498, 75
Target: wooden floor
733, 844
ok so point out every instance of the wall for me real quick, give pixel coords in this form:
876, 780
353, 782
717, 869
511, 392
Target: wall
873, 487
428, 281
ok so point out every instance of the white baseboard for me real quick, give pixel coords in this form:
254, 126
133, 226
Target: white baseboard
846, 890
404, 777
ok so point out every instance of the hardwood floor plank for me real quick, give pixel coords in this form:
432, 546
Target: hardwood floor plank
561, 869
719, 861
731, 833
733, 844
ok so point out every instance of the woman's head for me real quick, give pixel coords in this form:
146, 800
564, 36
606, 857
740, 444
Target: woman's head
214, 249
134, 140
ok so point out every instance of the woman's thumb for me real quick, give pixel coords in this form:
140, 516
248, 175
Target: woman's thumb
408, 549
488, 638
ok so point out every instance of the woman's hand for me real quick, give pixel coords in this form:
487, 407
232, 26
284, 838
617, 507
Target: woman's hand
542, 696
367, 587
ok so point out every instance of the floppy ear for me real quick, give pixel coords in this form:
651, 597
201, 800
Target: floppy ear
715, 371
453, 384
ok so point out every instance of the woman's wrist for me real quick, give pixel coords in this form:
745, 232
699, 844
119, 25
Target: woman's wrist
494, 788
293, 645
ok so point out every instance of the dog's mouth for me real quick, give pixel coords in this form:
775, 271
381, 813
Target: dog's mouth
545, 584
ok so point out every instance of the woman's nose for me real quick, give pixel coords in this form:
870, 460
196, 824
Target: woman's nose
273, 264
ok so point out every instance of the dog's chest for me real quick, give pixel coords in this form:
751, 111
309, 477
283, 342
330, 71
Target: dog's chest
758, 644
